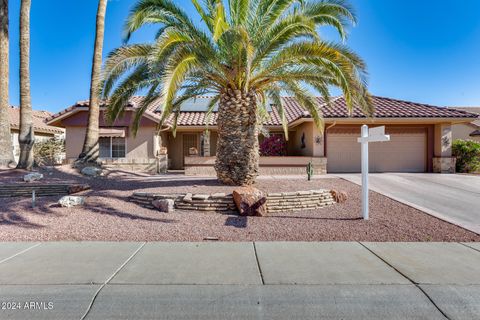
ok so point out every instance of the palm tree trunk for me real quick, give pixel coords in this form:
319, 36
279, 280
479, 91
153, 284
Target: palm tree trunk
26, 138
237, 146
6, 149
90, 149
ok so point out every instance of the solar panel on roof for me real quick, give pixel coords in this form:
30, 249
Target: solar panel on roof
197, 104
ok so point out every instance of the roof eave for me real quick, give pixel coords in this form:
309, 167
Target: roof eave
388, 120
52, 131
55, 121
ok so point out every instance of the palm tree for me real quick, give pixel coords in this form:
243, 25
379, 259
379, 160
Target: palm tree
90, 149
245, 53
6, 149
26, 138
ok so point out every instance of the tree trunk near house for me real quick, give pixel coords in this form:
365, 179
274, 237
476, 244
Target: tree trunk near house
90, 149
237, 146
26, 137
6, 148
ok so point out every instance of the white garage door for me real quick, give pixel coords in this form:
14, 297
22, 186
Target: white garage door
405, 152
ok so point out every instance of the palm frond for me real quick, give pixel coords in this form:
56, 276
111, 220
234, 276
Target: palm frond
306, 100
220, 24
274, 95
336, 13
239, 11
260, 47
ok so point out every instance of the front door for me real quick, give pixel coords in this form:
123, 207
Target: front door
190, 140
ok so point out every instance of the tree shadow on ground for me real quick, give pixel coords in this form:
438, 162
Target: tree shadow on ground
14, 219
19, 209
237, 222
100, 208
315, 218
120, 172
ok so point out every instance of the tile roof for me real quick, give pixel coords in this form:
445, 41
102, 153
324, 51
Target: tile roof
390, 108
38, 118
475, 110
133, 104
384, 108
193, 118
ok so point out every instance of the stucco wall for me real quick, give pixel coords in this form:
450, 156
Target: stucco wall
313, 141
462, 131
141, 146
203, 166
443, 140
138, 147
74, 137
175, 148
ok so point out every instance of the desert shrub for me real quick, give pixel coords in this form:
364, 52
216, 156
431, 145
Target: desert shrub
467, 153
274, 145
49, 152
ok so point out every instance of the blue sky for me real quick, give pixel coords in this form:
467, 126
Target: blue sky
424, 51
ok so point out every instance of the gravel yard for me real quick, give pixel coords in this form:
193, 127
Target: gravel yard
107, 215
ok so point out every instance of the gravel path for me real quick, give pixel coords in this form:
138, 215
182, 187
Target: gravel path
107, 215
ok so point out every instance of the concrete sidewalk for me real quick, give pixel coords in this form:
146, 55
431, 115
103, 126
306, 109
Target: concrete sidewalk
227, 280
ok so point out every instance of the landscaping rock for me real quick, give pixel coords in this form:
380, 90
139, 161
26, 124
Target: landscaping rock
164, 205
250, 201
71, 201
34, 176
77, 188
187, 197
91, 171
200, 197
218, 195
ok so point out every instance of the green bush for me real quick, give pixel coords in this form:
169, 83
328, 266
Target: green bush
467, 153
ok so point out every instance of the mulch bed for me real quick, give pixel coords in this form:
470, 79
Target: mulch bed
107, 215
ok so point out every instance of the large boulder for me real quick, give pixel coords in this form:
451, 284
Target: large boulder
34, 176
91, 171
71, 201
250, 201
164, 205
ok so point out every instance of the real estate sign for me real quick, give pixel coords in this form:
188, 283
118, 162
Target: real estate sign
376, 134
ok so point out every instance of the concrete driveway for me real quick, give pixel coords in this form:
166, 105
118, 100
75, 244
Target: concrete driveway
451, 197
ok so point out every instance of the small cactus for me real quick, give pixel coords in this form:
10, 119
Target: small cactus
309, 170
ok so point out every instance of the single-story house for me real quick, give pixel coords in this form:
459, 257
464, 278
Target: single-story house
42, 131
421, 137
469, 130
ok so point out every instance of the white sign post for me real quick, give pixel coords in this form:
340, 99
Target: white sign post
376, 134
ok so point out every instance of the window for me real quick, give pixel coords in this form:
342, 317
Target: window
104, 145
118, 147
112, 147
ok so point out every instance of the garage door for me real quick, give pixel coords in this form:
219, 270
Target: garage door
405, 152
